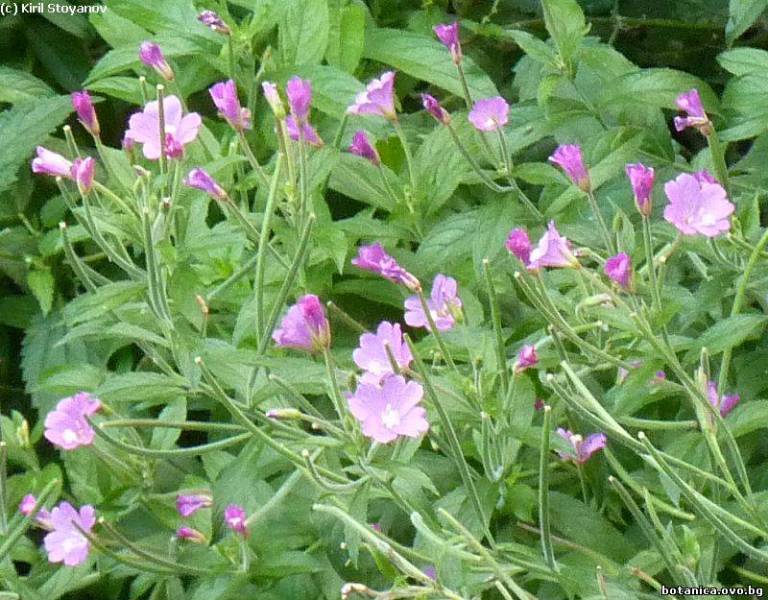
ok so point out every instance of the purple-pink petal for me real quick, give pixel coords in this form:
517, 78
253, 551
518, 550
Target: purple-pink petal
489, 114
86, 113
374, 258
519, 244
224, 96
66, 426
372, 357
553, 250
65, 543
641, 178
305, 326
299, 93
570, 159
235, 519
51, 163
619, 269
302, 131
361, 146
378, 98
201, 180
444, 305
697, 206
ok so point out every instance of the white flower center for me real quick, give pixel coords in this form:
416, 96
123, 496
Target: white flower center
390, 417
69, 435
708, 219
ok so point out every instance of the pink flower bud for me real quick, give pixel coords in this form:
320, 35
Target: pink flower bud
201, 180
82, 173
432, 106
83, 105
152, 56
362, 147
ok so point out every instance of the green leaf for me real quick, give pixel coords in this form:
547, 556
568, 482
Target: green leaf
304, 32
141, 386
28, 124
728, 333
565, 22
17, 86
346, 36
424, 58
124, 88
333, 90
741, 61
537, 49
41, 284
741, 15
164, 438
360, 180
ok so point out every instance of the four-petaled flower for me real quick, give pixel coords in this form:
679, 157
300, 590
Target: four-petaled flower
526, 358
235, 519
619, 269
569, 158
378, 98
519, 244
305, 326
373, 258
444, 305
690, 103
372, 357
389, 411
66, 426
180, 129
581, 449
224, 96
65, 542
448, 34
489, 114
553, 250
641, 178
698, 205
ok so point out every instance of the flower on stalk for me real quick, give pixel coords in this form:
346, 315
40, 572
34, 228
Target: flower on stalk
152, 56
65, 543
581, 449
191, 534
448, 34
526, 358
519, 244
432, 106
201, 180
187, 505
86, 113
619, 269
724, 404
180, 129
378, 98
489, 114
641, 178
444, 305
389, 411
127, 142
361, 146
272, 97
697, 205
299, 92
690, 103
569, 158
235, 519
553, 250
373, 258
82, 173
214, 21
302, 131
224, 96
27, 505
51, 163
371, 355
305, 326
66, 426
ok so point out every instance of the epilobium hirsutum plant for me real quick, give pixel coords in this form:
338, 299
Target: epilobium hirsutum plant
348, 317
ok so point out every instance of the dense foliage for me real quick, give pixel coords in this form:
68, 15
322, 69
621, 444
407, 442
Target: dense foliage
406, 301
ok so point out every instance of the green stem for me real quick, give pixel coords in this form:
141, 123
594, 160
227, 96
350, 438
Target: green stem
606, 233
408, 156
266, 225
486, 179
648, 244
544, 524
435, 332
717, 152
11, 537
252, 158
501, 351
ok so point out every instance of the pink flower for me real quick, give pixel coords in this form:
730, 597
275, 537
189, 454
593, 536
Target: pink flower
307, 132
191, 534
526, 358
430, 571
27, 505
235, 519
50, 163
378, 98
448, 34
305, 326
65, 543
704, 176
152, 56
371, 355
697, 206
373, 258
538, 404
224, 95
389, 411
180, 130
361, 146
273, 99
201, 180
581, 449
299, 92
641, 178
82, 173
619, 269
690, 103
569, 158
724, 404
553, 250
489, 114
187, 505
432, 106
212, 20
444, 305
66, 427
86, 113
519, 244
128, 142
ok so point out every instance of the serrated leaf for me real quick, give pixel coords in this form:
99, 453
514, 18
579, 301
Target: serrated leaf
728, 333
41, 284
346, 36
741, 15
304, 32
164, 438
565, 22
17, 86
